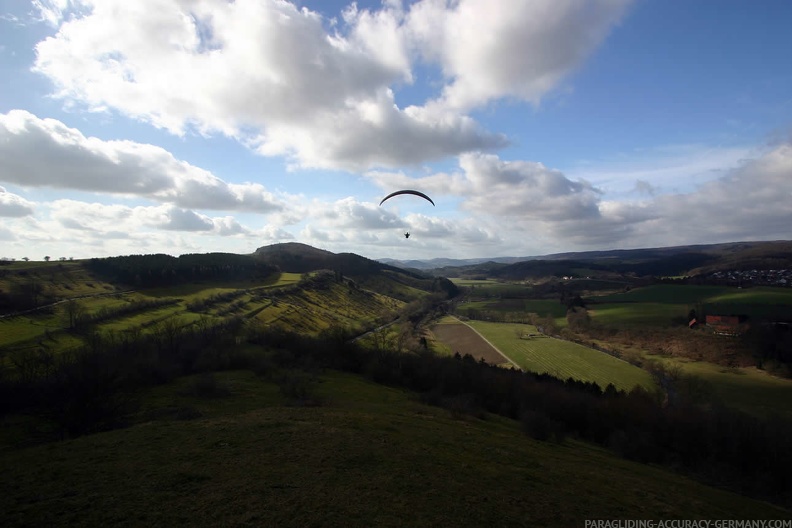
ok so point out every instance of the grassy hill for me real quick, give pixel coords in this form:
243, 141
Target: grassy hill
240, 453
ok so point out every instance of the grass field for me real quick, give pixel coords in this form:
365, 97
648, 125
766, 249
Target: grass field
638, 314
561, 359
658, 304
369, 456
749, 389
493, 288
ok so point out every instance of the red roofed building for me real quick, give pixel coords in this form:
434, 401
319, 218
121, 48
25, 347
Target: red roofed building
727, 324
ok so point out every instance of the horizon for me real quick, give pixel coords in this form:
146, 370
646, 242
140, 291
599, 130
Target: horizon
424, 260
537, 127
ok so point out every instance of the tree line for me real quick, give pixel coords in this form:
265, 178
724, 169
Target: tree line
164, 270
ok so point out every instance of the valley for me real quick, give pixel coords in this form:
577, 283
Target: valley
315, 355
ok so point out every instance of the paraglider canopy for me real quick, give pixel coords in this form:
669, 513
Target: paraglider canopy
407, 191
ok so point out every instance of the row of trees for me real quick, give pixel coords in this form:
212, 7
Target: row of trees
165, 270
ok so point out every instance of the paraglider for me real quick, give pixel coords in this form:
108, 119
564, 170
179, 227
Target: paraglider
407, 191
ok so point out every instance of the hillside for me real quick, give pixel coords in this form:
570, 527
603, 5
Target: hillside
241, 453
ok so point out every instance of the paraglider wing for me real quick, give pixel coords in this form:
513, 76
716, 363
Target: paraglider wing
407, 191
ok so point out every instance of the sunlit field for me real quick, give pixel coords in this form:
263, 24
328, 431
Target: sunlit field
538, 353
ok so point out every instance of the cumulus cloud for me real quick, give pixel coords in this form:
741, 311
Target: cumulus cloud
489, 49
526, 189
12, 205
349, 213
492, 186
274, 77
38, 152
530, 203
751, 199
118, 220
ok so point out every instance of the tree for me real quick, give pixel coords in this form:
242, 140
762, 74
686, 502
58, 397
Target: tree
74, 312
26, 259
47, 258
578, 319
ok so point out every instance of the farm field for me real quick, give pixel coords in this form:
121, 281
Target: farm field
561, 359
658, 304
455, 336
682, 293
493, 288
638, 313
370, 455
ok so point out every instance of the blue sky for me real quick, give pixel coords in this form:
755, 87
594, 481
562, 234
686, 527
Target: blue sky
536, 126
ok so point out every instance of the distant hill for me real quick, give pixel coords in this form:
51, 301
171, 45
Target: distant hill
449, 262
300, 258
669, 261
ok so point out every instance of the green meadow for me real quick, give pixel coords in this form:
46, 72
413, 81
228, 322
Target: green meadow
659, 304
560, 358
748, 388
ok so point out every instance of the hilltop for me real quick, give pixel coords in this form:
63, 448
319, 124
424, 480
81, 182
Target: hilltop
300, 258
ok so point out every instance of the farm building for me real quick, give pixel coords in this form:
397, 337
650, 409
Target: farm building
727, 324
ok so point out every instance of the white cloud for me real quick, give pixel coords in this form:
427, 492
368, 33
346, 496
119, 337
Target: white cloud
351, 214
12, 205
38, 152
530, 205
116, 220
489, 49
50, 11
7, 235
272, 76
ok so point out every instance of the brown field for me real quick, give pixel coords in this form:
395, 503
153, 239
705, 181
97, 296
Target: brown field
461, 338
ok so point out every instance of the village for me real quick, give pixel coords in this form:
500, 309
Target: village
773, 277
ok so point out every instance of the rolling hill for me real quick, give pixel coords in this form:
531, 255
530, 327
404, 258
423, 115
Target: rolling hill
669, 261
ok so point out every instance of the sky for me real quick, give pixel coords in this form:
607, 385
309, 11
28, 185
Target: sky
536, 126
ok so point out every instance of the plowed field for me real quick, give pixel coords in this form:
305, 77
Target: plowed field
461, 338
